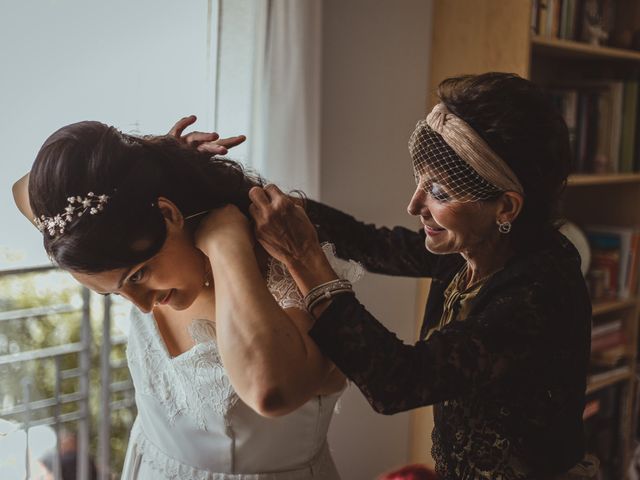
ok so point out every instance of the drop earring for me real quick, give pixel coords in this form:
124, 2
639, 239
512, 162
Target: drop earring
207, 272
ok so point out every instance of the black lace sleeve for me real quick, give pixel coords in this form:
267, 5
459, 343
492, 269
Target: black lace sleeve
507, 337
397, 251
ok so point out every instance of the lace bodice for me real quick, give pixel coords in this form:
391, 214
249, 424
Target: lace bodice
191, 383
191, 420
283, 288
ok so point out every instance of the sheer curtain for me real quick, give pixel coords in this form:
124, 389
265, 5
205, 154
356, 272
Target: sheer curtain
278, 97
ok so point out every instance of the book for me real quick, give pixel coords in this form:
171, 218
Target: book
603, 240
628, 135
535, 16
543, 14
611, 357
609, 374
605, 328
591, 408
604, 272
608, 341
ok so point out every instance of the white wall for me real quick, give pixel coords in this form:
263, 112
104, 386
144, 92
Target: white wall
375, 60
137, 65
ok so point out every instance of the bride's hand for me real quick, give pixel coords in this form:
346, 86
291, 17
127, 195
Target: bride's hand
223, 226
202, 141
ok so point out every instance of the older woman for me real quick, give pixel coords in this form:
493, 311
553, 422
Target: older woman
504, 347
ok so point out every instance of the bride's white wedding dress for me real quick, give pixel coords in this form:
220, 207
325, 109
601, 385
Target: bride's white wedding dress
192, 425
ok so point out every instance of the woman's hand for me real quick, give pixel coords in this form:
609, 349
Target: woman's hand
223, 226
204, 142
282, 226
286, 233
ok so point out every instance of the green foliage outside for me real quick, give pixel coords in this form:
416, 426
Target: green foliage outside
54, 288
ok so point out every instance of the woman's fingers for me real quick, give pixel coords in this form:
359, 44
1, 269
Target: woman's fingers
259, 197
275, 195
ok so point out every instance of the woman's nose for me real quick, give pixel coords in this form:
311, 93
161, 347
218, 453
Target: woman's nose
418, 203
141, 299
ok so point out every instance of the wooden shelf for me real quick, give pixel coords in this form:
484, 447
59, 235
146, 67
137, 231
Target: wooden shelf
496, 36
601, 308
585, 179
569, 48
594, 386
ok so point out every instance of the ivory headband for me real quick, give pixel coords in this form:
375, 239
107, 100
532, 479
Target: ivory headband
472, 148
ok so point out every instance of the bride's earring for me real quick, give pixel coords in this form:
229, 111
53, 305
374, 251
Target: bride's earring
207, 273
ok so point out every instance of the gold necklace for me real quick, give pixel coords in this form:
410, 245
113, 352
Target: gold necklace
470, 285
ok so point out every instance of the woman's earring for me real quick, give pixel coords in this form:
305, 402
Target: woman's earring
504, 227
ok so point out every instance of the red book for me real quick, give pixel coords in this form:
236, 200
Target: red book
609, 340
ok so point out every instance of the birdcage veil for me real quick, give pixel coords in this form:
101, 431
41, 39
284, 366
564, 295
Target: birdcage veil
446, 151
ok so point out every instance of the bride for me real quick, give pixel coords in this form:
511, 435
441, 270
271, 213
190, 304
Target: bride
142, 218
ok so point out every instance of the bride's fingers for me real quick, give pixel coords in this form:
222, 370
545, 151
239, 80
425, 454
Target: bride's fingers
231, 142
200, 137
212, 147
178, 128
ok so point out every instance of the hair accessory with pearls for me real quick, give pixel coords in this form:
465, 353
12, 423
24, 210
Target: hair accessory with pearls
76, 207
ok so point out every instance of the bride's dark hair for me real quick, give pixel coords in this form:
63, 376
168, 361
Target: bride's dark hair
92, 157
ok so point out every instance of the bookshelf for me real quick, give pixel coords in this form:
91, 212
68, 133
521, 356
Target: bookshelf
601, 308
475, 36
572, 49
581, 179
593, 385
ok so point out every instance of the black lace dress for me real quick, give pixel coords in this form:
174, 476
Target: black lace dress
507, 383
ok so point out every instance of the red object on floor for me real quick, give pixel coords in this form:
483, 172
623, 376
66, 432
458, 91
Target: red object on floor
411, 472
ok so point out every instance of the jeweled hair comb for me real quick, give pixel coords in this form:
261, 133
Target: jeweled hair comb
76, 207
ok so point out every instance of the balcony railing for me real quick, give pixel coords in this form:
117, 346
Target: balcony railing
28, 412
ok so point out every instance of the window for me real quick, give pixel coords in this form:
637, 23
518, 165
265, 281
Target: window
139, 66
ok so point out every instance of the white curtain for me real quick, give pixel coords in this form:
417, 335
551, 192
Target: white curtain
285, 129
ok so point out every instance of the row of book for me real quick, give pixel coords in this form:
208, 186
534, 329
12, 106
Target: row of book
604, 427
613, 274
603, 119
615, 262
603, 415
577, 20
608, 348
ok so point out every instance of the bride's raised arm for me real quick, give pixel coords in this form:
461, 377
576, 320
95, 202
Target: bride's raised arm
21, 196
272, 363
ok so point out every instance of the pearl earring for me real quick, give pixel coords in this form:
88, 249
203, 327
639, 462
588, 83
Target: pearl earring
207, 272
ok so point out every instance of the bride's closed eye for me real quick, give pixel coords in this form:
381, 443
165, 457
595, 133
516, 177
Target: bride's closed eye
138, 276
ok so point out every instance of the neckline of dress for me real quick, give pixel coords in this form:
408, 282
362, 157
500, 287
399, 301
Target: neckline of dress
460, 277
157, 337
